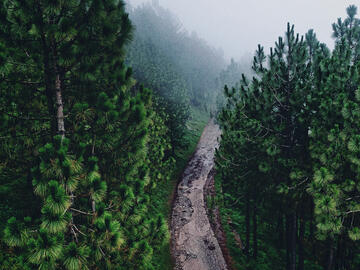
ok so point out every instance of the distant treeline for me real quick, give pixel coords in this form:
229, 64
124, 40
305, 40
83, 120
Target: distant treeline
186, 61
180, 68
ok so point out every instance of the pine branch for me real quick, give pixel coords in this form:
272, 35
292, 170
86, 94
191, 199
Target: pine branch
81, 212
299, 184
76, 228
102, 252
25, 135
351, 212
26, 118
21, 82
352, 198
74, 234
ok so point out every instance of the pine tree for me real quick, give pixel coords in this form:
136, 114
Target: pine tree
293, 132
88, 159
349, 30
153, 68
333, 145
268, 121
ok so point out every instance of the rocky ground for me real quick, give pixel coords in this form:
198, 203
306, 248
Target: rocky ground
194, 245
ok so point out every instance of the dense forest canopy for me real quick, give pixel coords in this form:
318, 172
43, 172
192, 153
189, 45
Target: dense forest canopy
195, 62
289, 156
102, 105
79, 148
179, 67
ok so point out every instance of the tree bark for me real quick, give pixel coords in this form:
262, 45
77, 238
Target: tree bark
291, 234
93, 204
312, 229
287, 236
338, 257
330, 258
60, 108
247, 224
293, 241
47, 73
255, 247
280, 229
301, 239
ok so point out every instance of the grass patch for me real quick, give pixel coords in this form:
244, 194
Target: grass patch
195, 127
165, 190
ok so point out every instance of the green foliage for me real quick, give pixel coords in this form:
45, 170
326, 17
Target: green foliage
179, 68
161, 196
187, 61
231, 78
87, 188
290, 146
334, 140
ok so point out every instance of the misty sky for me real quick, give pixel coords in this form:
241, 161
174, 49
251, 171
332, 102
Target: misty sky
238, 26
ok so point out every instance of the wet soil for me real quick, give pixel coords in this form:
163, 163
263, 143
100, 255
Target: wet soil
194, 245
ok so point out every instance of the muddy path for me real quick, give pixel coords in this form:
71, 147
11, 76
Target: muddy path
194, 246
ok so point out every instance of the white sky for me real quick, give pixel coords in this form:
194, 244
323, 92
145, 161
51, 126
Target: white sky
237, 26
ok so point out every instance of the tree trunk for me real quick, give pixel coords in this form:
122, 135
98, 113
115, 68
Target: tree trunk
247, 224
293, 241
330, 258
280, 229
61, 132
301, 239
60, 107
93, 204
51, 110
291, 234
343, 256
47, 74
255, 247
311, 227
287, 236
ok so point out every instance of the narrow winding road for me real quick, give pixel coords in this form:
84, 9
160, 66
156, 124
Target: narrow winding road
194, 245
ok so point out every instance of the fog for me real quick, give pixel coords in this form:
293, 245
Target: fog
238, 26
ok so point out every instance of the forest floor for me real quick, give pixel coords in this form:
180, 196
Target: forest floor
194, 245
165, 193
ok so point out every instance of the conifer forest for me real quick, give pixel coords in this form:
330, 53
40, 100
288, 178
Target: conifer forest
130, 142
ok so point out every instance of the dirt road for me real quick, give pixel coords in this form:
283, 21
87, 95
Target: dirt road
194, 245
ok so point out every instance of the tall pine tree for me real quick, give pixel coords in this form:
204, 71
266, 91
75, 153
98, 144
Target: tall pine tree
81, 136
